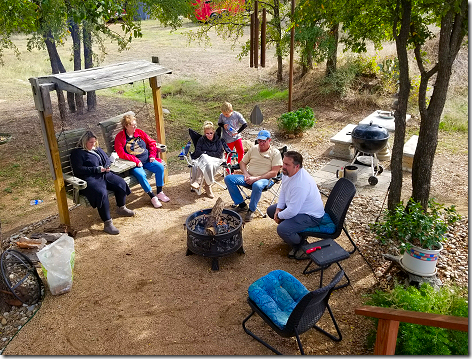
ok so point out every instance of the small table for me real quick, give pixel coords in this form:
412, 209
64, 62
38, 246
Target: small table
389, 124
120, 165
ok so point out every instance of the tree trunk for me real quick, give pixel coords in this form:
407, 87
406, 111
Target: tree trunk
450, 40
88, 52
74, 31
55, 60
307, 64
396, 182
278, 47
333, 56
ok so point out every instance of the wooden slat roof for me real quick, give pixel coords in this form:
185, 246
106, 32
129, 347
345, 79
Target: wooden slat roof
98, 78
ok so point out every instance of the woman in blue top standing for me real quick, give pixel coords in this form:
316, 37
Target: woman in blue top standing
233, 124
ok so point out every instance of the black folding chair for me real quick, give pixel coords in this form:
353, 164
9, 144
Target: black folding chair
288, 307
187, 155
327, 251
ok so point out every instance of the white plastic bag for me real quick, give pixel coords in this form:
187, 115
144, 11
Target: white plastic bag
57, 262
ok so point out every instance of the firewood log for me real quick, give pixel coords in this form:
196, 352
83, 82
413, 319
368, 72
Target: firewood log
214, 217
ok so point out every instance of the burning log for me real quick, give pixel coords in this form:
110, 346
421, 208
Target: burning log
214, 217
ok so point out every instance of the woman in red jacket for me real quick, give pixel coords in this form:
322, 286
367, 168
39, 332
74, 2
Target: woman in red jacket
135, 145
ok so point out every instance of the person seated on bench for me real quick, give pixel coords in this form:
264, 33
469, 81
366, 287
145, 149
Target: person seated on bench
299, 206
133, 144
90, 163
207, 158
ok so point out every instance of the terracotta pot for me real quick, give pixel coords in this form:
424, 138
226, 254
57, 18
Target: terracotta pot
421, 261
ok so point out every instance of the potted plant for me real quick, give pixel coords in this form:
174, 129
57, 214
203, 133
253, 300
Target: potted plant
296, 122
418, 233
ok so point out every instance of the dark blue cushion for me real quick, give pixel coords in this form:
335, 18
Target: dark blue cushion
277, 294
326, 226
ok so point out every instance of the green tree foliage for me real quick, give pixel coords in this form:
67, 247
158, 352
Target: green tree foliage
408, 22
231, 26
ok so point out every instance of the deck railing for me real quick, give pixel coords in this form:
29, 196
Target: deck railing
389, 320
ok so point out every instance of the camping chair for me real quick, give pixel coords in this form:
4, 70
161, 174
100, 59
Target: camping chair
288, 307
195, 136
326, 252
271, 187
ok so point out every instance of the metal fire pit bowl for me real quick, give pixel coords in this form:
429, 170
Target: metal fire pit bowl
228, 239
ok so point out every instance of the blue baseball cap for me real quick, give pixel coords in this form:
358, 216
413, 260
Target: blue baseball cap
263, 135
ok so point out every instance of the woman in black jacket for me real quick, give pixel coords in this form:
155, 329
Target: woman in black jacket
207, 157
90, 163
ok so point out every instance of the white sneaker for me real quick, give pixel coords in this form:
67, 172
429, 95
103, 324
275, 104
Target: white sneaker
155, 202
195, 185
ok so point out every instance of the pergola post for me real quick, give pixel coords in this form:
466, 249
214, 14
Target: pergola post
44, 107
159, 116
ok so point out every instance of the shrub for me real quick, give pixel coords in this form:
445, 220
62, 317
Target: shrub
297, 121
414, 226
415, 339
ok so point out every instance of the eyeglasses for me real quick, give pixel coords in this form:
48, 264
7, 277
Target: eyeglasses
209, 133
262, 141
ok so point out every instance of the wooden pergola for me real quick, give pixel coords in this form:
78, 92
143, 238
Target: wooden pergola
81, 82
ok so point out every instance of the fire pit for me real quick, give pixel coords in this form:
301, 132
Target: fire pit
227, 239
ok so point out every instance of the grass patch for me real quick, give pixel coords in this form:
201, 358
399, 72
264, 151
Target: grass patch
191, 104
456, 111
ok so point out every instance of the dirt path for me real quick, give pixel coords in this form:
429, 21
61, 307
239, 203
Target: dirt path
138, 294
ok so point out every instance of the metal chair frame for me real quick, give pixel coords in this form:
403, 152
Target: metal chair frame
331, 252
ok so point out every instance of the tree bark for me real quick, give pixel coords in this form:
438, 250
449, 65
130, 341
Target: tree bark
278, 47
54, 59
450, 40
331, 62
74, 31
88, 53
396, 182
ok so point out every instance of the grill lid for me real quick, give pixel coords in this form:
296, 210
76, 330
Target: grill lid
370, 132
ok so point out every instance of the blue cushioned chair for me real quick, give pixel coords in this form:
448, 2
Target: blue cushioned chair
288, 307
328, 250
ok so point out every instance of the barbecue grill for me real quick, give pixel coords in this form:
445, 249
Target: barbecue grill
370, 139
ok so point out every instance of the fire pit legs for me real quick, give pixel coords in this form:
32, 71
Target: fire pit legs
214, 264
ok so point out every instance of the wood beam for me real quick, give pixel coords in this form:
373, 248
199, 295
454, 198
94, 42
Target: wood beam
45, 115
159, 116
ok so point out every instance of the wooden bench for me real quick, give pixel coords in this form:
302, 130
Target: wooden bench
67, 141
389, 320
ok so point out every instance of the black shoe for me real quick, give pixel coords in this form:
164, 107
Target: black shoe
239, 209
249, 216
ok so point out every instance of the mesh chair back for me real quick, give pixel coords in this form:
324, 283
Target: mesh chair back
338, 203
311, 308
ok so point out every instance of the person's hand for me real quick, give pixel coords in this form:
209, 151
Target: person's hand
276, 218
250, 179
151, 159
226, 126
140, 164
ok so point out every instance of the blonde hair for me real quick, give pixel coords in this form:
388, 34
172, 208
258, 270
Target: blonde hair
85, 138
208, 125
126, 120
226, 107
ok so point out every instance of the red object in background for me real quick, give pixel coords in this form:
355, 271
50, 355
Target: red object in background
206, 10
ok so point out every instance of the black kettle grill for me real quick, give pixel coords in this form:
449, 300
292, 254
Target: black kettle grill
370, 139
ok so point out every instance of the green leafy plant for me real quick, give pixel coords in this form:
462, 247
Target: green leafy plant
415, 339
297, 121
415, 226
